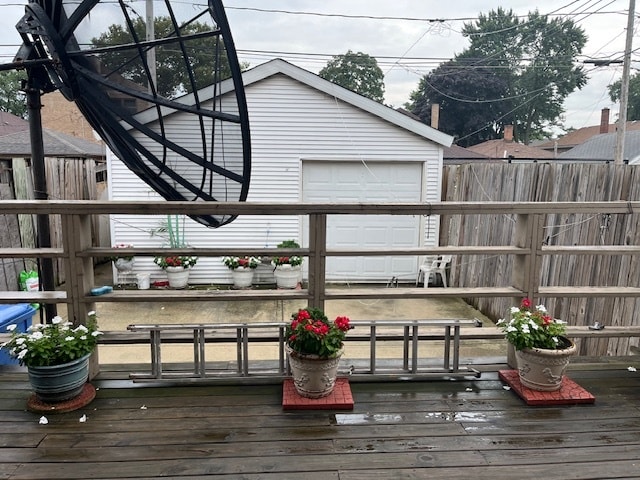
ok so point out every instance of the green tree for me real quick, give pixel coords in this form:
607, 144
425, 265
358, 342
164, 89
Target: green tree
358, 72
459, 92
172, 76
633, 107
527, 67
12, 99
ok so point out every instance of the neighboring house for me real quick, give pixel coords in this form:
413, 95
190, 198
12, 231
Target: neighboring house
56, 144
63, 116
70, 165
581, 135
457, 155
10, 123
602, 147
313, 141
506, 149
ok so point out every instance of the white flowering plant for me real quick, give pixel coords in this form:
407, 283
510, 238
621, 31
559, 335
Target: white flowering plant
53, 343
234, 263
530, 327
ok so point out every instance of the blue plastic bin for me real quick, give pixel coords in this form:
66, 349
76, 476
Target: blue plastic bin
21, 315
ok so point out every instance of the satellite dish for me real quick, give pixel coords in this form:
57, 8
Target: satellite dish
159, 82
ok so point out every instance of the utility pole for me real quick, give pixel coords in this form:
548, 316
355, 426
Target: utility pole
624, 87
151, 35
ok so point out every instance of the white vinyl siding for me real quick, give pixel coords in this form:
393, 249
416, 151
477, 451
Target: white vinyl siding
290, 122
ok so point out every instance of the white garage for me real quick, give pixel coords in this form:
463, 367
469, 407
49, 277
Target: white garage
313, 141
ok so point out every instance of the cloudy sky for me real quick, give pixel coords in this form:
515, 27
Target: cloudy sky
408, 37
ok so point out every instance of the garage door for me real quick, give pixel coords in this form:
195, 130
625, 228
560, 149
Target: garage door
373, 182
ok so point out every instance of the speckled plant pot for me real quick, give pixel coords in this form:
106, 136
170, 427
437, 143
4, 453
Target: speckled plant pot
313, 376
543, 369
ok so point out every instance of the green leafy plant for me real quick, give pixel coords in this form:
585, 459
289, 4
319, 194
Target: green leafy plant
173, 230
54, 343
311, 332
237, 262
530, 327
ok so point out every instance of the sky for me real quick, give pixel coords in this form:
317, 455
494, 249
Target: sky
408, 38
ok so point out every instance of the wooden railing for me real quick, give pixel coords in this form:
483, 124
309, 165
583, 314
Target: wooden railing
527, 251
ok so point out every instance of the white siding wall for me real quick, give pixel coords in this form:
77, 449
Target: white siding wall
290, 121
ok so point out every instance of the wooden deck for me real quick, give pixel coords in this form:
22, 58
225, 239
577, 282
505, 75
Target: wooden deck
440, 429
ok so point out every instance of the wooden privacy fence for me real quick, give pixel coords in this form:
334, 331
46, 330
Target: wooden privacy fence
584, 265
67, 179
488, 269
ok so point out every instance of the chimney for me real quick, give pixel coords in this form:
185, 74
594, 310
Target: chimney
508, 133
604, 121
435, 115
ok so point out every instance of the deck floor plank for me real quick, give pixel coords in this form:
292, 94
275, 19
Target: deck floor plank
427, 429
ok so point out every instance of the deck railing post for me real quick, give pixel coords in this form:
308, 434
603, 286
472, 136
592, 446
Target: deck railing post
529, 235
317, 259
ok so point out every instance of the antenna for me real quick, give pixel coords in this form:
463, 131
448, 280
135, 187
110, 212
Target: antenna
160, 83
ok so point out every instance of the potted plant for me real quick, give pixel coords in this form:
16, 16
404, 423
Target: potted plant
314, 346
56, 356
542, 351
242, 269
177, 267
287, 269
123, 263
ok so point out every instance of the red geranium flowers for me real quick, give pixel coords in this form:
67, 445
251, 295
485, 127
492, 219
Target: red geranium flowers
311, 332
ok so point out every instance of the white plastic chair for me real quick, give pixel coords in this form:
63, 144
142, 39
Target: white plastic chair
437, 267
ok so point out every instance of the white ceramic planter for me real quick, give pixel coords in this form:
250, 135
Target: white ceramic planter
178, 277
242, 277
287, 276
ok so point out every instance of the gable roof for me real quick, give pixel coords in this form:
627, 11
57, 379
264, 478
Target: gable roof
581, 135
10, 123
504, 149
603, 146
456, 152
56, 144
279, 66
